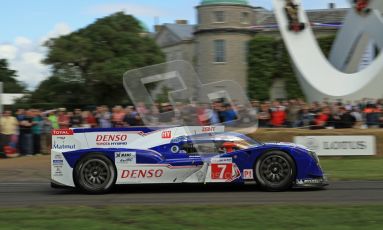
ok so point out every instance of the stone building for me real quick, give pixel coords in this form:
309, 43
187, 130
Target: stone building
217, 44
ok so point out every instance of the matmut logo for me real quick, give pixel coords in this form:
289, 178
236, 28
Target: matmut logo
59, 132
166, 134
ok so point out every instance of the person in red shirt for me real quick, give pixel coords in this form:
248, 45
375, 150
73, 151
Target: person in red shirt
278, 115
63, 119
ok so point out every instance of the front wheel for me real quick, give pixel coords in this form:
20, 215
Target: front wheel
95, 174
275, 171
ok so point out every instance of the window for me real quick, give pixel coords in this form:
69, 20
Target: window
218, 16
200, 148
219, 51
245, 18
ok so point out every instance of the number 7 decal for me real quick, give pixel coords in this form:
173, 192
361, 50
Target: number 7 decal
221, 171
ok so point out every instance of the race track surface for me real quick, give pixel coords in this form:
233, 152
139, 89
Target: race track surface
22, 194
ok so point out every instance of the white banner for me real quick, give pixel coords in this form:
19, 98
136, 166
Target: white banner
339, 145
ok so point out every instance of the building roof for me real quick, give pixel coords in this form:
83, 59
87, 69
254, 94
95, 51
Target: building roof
320, 16
235, 2
182, 31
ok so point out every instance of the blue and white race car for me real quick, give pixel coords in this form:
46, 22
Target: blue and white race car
94, 160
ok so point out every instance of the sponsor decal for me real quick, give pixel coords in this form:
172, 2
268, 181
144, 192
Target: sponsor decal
63, 146
59, 132
339, 145
345, 145
175, 149
58, 157
127, 158
221, 160
178, 139
309, 181
221, 171
142, 173
208, 129
111, 139
248, 174
58, 171
58, 162
166, 134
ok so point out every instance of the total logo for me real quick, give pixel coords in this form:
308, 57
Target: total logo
208, 129
111, 139
142, 173
62, 132
166, 134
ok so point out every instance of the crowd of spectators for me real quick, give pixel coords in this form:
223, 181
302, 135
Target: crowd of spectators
28, 132
366, 113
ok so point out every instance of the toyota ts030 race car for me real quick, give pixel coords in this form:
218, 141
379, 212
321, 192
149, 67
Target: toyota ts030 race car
94, 160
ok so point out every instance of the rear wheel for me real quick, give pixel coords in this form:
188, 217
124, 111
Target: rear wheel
95, 174
275, 171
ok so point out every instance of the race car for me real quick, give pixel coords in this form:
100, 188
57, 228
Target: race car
361, 6
94, 160
292, 15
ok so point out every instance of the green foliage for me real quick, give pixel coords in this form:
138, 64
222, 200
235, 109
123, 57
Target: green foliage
88, 64
8, 77
268, 59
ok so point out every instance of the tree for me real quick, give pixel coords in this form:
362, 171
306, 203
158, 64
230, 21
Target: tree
96, 57
268, 59
8, 77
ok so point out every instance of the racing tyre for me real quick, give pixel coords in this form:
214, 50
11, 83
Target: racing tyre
275, 171
95, 174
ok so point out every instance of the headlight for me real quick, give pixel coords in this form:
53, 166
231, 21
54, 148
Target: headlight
314, 156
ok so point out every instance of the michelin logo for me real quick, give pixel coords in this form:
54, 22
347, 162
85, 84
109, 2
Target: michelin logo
125, 158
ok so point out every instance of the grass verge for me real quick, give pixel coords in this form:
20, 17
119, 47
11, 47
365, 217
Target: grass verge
195, 217
361, 168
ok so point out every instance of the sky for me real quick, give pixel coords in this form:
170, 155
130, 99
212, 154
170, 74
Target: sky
26, 24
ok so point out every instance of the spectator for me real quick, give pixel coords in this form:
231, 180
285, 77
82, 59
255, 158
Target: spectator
293, 114
229, 114
9, 131
264, 116
37, 121
132, 118
306, 117
278, 115
26, 133
372, 115
76, 120
46, 135
344, 119
53, 120
323, 119
63, 119
89, 120
104, 117
118, 116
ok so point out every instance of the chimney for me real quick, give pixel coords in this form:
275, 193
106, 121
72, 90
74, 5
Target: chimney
181, 22
331, 5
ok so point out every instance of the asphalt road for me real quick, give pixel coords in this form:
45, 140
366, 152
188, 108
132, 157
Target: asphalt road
31, 194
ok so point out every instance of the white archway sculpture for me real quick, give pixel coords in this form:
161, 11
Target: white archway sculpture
321, 79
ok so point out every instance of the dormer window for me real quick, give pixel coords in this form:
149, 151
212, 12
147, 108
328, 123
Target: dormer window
218, 16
